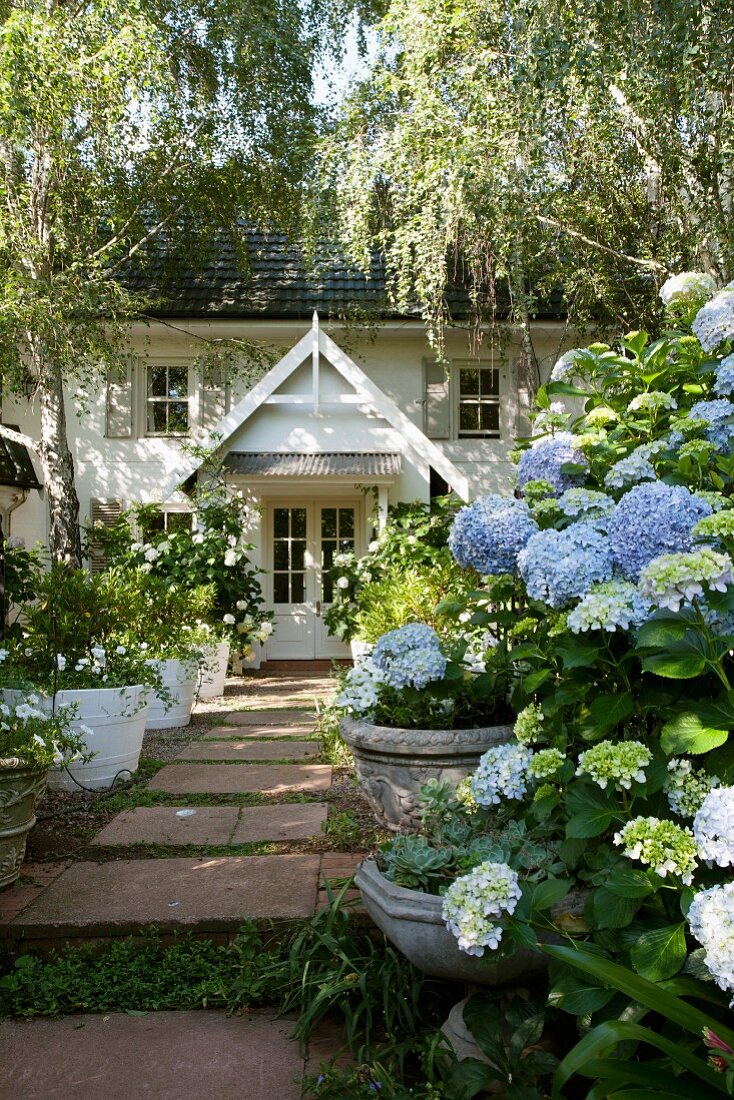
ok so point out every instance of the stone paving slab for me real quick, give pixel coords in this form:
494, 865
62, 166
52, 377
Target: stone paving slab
210, 894
295, 821
218, 732
269, 717
170, 825
249, 750
241, 778
163, 1055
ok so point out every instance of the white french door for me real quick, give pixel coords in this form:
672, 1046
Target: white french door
301, 539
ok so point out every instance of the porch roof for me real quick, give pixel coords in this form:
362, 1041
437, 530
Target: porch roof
326, 464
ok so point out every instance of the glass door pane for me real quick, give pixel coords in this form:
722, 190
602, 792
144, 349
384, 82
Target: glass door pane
289, 555
337, 537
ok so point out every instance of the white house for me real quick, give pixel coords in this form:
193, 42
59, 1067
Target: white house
323, 443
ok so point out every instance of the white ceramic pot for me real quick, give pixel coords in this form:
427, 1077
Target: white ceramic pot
116, 717
180, 678
213, 671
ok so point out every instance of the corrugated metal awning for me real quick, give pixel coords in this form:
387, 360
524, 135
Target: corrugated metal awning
327, 464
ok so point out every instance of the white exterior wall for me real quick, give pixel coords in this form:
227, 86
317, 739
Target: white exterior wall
135, 469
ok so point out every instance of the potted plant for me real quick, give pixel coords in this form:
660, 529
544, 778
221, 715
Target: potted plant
31, 740
71, 645
421, 709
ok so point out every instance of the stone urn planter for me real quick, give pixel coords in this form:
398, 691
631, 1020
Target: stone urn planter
180, 680
393, 764
412, 921
213, 671
21, 787
116, 718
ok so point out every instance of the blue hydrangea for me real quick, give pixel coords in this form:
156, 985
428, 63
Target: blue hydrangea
613, 605
635, 467
724, 384
543, 462
490, 533
720, 422
561, 566
653, 519
588, 503
410, 656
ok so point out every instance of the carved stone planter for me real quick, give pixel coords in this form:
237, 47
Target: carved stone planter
393, 764
412, 921
21, 786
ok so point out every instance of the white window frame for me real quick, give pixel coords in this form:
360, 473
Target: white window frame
167, 364
501, 367
168, 510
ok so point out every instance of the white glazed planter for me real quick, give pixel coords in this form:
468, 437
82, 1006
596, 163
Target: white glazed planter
393, 764
180, 678
213, 671
116, 717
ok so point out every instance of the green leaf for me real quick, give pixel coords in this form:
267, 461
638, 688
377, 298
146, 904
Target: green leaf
675, 666
660, 633
532, 682
627, 882
565, 389
611, 910
607, 711
577, 995
639, 989
589, 823
687, 733
660, 953
575, 654
622, 1071
550, 891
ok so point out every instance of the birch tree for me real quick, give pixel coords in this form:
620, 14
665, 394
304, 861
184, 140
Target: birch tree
522, 145
132, 131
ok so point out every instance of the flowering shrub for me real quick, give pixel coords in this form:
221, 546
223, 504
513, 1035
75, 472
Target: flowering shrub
472, 904
38, 738
489, 534
558, 566
557, 460
651, 520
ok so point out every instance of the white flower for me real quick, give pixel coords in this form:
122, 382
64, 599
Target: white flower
3, 654
713, 827
136, 546
489, 891
666, 847
687, 288
151, 554
230, 557
121, 649
241, 605
232, 540
60, 662
711, 917
686, 789
164, 547
228, 619
266, 629
373, 546
619, 763
342, 582
502, 771
143, 646
197, 538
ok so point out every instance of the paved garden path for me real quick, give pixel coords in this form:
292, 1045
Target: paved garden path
246, 792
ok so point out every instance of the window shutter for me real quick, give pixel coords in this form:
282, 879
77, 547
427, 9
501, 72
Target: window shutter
120, 401
214, 398
106, 513
437, 404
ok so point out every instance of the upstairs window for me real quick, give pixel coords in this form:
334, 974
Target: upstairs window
478, 402
167, 400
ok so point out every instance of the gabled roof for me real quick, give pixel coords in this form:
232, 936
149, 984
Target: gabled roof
269, 277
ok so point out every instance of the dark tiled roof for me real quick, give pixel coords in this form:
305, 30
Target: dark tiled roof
276, 282
16, 465
326, 464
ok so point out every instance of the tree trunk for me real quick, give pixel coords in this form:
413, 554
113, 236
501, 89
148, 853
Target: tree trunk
64, 538
528, 372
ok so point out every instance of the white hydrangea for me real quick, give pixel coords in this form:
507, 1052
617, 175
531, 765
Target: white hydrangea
652, 402
618, 763
713, 827
688, 288
360, 694
502, 773
474, 902
563, 371
230, 558
668, 848
60, 662
612, 605
714, 322
545, 763
529, 724
711, 917
672, 579
686, 789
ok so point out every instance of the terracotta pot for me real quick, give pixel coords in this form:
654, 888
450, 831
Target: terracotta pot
393, 764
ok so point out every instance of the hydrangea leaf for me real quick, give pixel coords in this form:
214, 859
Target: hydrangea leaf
589, 823
565, 389
576, 654
577, 995
661, 632
688, 733
683, 664
549, 892
660, 953
607, 711
612, 911
628, 882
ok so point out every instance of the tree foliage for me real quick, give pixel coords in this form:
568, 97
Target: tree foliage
131, 132
527, 144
